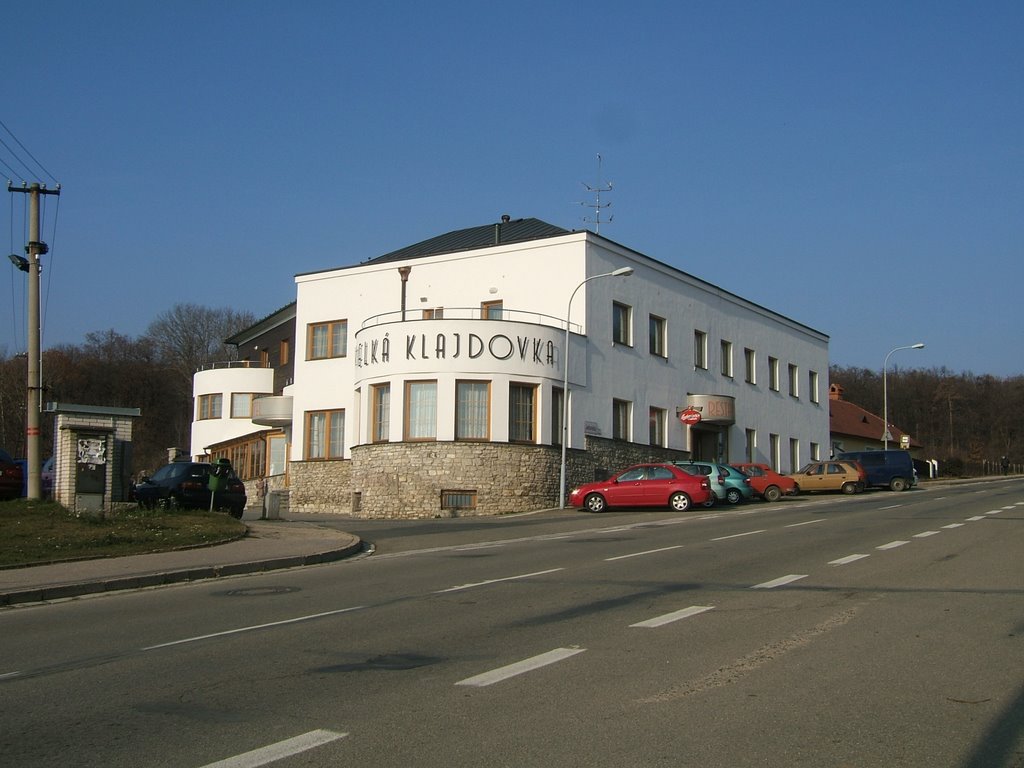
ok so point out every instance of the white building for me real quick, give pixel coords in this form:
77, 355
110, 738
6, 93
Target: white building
429, 381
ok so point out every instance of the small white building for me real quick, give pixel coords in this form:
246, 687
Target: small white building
429, 381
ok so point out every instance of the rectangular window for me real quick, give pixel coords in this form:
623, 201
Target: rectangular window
522, 414
656, 336
277, 454
775, 457
773, 374
751, 447
750, 361
658, 421
421, 410
557, 404
794, 454
458, 500
241, 405
284, 352
812, 386
325, 434
380, 402
622, 333
437, 313
491, 310
727, 358
815, 452
621, 419
210, 406
794, 381
700, 350
264, 358
472, 410
326, 340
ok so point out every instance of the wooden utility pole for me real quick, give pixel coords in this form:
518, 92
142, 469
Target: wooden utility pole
34, 249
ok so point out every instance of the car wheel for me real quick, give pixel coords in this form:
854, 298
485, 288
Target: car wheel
898, 484
173, 503
772, 493
733, 496
595, 503
679, 502
849, 487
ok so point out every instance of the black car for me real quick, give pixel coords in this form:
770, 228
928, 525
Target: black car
186, 485
11, 477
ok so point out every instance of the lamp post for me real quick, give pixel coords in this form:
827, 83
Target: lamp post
620, 272
885, 392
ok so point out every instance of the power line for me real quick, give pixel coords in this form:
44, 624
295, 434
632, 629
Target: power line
25, 149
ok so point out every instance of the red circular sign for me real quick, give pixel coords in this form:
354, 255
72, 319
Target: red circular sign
690, 416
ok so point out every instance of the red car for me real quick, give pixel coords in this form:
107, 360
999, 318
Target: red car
767, 482
644, 485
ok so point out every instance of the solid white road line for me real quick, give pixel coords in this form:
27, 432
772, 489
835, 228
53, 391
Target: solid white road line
520, 667
253, 628
496, 581
893, 545
848, 559
781, 581
279, 751
668, 618
638, 554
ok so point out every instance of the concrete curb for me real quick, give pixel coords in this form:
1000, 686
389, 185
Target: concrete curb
174, 576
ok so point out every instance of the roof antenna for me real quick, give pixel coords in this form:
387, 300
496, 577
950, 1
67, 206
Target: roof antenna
597, 205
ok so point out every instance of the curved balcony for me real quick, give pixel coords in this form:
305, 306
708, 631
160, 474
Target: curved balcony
272, 411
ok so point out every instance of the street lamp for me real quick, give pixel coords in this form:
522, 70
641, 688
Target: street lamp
885, 393
620, 272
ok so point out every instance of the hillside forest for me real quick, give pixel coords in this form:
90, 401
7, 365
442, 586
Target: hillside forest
966, 421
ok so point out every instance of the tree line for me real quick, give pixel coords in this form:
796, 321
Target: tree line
968, 422
151, 372
962, 419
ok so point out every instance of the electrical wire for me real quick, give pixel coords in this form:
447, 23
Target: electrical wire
25, 149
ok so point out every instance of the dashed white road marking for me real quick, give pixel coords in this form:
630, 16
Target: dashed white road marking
668, 618
926, 534
781, 581
806, 522
893, 545
280, 750
954, 525
848, 559
737, 535
639, 554
975, 519
520, 667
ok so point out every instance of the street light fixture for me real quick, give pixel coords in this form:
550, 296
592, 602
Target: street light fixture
885, 392
620, 272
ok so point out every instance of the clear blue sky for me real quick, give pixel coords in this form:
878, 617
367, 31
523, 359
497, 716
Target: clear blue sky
858, 167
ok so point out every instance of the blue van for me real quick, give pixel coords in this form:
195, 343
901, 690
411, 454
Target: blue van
886, 469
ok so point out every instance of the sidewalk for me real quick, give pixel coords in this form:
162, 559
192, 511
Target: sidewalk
269, 545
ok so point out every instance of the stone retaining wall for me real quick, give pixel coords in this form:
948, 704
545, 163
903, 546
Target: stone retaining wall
412, 480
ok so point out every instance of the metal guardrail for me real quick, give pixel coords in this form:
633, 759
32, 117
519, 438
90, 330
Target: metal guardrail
224, 364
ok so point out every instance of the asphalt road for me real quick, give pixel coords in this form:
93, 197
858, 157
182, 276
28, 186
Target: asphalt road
877, 630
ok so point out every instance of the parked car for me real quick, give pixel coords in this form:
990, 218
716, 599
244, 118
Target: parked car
643, 485
845, 476
727, 482
12, 478
186, 485
766, 482
886, 469
46, 478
